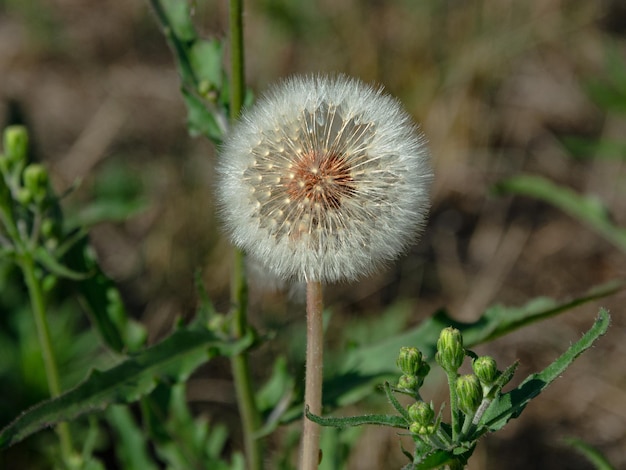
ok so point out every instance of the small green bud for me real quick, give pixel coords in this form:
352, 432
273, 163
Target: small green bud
450, 352
409, 360
416, 428
48, 228
486, 370
35, 178
15, 143
24, 196
49, 283
408, 382
422, 413
469, 393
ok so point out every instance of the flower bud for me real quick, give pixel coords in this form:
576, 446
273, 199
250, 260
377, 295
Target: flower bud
408, 382
15, 143
469, 393
486, 370
35, 178
409, 360
24, 196
416, 428
422, 413
450, 352
48, 228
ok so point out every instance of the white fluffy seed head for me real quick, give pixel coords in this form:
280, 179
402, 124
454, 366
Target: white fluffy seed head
324, 179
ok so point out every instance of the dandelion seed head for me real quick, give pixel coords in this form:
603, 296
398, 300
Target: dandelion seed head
325, 179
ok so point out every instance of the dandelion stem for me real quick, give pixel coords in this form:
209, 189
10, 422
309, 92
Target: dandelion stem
310, 457
35, 293
250, 417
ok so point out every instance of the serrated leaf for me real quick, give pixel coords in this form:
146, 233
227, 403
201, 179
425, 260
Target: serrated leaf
364, 367
172, 359
586, 209
509, 405
381, 420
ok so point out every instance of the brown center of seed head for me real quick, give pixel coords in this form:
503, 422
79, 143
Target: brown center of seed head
321, 180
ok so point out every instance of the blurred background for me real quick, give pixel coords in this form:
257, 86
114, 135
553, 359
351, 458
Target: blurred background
499, 87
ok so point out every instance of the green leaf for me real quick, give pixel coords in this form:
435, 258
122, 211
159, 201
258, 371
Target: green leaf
130, 445
379, 359
280, 384
509, 405
102, 302
594, 456
48, 261
206, 60
586, 209
437, 460
172, 359
200, 119
179, 16
381, 420
586, 148
107, 211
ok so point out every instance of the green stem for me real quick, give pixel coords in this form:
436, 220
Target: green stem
250, 416
467, 425
310, 453
454, 406
237, 82
43, 332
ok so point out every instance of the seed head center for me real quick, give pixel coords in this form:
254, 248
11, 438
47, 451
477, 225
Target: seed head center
322, 180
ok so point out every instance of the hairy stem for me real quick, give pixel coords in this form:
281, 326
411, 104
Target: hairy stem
43, 332
454, 406
250, 417
310, 454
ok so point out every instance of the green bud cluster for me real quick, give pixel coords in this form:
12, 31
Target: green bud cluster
450, 351
422, 418
414, 368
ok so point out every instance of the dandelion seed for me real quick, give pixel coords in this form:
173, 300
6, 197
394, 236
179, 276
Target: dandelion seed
325, 179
